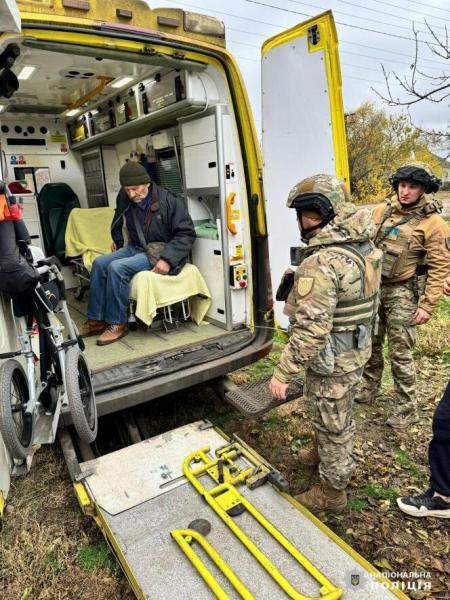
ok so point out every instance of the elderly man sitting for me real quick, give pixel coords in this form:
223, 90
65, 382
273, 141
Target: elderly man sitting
152, 214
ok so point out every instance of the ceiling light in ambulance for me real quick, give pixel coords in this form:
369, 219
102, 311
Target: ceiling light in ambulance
72, 113
26, 72
2, 107
121, 82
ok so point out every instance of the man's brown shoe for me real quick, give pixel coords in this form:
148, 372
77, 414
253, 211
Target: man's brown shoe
91, 327
112, 333
323, 497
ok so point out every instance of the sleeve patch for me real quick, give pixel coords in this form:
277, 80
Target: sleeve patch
304, 286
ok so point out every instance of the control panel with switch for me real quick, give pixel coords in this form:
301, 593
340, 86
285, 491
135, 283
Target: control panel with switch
238, 276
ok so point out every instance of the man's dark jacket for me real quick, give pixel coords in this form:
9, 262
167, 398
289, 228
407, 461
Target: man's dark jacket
169, 222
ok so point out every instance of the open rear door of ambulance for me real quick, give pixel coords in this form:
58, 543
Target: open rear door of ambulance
9, 22
303, 126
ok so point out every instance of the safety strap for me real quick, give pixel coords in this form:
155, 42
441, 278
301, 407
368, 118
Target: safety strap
139, 230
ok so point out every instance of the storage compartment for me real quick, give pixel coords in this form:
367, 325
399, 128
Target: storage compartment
210, 175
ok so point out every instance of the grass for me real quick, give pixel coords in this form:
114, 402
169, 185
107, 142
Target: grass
433, 337
375, 492
304, 438
45, 538
379, 493
402, 459
264, 367
53, 564
357, 505
272, 421
97, 556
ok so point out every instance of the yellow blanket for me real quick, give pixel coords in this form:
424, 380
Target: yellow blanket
151, 291
88, 233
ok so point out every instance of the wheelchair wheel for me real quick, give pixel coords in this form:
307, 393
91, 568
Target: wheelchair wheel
16, 427
80, 394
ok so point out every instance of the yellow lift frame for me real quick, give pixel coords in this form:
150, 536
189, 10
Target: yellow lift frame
226, 501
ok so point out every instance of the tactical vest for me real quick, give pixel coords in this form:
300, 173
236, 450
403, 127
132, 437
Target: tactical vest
395, 239
360, 311
353, 319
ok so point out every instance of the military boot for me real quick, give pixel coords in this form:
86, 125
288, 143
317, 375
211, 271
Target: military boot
403, 420
323, 497
365, 396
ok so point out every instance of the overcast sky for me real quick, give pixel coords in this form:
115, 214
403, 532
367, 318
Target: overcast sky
381, 33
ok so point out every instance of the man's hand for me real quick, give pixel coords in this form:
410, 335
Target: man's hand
421, 316
447, 286
278, 389
162, 267
113, 247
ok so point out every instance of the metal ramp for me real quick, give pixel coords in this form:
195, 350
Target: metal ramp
139, 495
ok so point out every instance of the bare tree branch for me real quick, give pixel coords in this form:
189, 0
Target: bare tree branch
444, 46
410, 94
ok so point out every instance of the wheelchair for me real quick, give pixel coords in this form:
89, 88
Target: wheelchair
48, 372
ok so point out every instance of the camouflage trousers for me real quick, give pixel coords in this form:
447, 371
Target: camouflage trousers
398, 303
331, 405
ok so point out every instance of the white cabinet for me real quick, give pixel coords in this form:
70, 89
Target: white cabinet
31, 218
200, 162
207, 257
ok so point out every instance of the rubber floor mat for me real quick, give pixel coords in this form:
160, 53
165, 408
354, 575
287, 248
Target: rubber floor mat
253, 399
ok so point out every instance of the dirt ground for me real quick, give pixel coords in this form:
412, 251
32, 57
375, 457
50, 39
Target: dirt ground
50, 551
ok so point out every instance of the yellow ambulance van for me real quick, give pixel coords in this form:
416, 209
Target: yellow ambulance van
86, 85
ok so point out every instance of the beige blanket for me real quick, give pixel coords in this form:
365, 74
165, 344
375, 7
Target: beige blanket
151, 291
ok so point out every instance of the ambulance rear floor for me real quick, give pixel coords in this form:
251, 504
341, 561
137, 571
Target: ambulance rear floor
142, 342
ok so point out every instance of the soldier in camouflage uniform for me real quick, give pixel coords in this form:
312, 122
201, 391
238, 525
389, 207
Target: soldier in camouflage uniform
332, 307
416, 245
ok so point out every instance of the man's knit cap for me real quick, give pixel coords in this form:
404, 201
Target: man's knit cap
133, 173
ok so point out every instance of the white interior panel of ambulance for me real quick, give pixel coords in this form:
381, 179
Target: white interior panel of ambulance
79, 114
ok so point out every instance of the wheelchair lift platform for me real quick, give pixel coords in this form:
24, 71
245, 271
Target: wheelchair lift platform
193, 514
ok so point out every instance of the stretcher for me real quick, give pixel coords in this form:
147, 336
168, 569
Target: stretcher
192, 513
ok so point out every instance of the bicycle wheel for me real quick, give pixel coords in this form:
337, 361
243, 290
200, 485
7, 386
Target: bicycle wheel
16, 427
80, 394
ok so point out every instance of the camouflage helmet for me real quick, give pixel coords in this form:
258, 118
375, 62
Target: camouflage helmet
324, 194
417, 172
